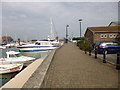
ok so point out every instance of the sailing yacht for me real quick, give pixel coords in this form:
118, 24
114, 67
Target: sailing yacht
53, 34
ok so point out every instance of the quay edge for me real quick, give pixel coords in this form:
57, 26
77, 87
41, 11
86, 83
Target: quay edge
21, 79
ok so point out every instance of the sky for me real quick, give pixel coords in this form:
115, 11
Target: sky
31, 20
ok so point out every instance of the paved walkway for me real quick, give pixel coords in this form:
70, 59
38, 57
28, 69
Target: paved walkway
71, 68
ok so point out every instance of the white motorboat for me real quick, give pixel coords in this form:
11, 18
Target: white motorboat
15, 57
55, 43
9, 68
37, 46
44, 45
10, 45
2, 47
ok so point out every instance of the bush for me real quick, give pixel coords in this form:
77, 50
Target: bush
85, 45
78, 38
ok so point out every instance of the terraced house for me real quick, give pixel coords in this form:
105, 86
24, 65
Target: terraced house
105, 33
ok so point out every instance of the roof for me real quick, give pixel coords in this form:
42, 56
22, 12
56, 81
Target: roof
115, 23
12, 52
42, 41
105, 29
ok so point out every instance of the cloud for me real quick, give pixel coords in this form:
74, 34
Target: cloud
60, 0
23, 16
34, 17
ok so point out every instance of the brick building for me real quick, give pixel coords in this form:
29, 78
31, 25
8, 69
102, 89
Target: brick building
106, 33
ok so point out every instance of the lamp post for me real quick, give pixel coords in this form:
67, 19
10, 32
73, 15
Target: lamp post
80, 25
66, 33
19, 41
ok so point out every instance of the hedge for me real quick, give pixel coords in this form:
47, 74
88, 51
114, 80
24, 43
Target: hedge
85, 45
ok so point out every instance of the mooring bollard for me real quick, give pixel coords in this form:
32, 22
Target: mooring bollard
95, 54
85, 51
118, 61
104, 56
89, 52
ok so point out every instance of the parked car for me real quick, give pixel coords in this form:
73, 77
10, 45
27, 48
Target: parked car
110, 47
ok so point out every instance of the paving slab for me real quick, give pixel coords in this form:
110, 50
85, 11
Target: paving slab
71, 68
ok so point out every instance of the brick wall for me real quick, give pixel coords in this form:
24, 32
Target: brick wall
89, 36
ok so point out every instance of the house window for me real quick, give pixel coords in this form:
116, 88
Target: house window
118, 36
103, 35
110, 35
114, 35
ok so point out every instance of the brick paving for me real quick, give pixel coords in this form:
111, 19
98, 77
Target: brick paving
71, 68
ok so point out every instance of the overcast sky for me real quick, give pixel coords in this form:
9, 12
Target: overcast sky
31, 20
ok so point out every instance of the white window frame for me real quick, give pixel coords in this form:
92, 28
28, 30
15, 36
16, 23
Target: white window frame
114, 35
110, 35
118, 36
105, 35
102, 36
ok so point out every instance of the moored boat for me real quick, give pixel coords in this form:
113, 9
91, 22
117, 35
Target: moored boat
37, 46
10, 68
15, 57
2, 47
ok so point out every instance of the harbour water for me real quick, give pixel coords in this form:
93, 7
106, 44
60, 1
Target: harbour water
6, 77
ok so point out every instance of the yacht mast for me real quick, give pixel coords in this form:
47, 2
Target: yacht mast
53, 33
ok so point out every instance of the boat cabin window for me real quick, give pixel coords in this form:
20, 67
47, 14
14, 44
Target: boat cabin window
11, 55
37, 43
18, 55
45, 43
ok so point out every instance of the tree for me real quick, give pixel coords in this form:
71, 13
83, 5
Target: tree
7, 39
78, 38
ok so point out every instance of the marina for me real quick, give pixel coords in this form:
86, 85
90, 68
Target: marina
16, 56
4, 78
63, 68
59, 45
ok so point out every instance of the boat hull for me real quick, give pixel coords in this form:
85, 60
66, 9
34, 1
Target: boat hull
10, 68
2, 47
35, 49
21, 59
37, 46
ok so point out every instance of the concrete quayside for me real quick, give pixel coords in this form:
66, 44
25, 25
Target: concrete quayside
20, 79
66, 67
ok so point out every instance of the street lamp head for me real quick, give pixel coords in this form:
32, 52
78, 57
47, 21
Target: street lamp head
80, 20
67, 26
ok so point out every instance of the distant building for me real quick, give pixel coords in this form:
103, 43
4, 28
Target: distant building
6, 39
106, 33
